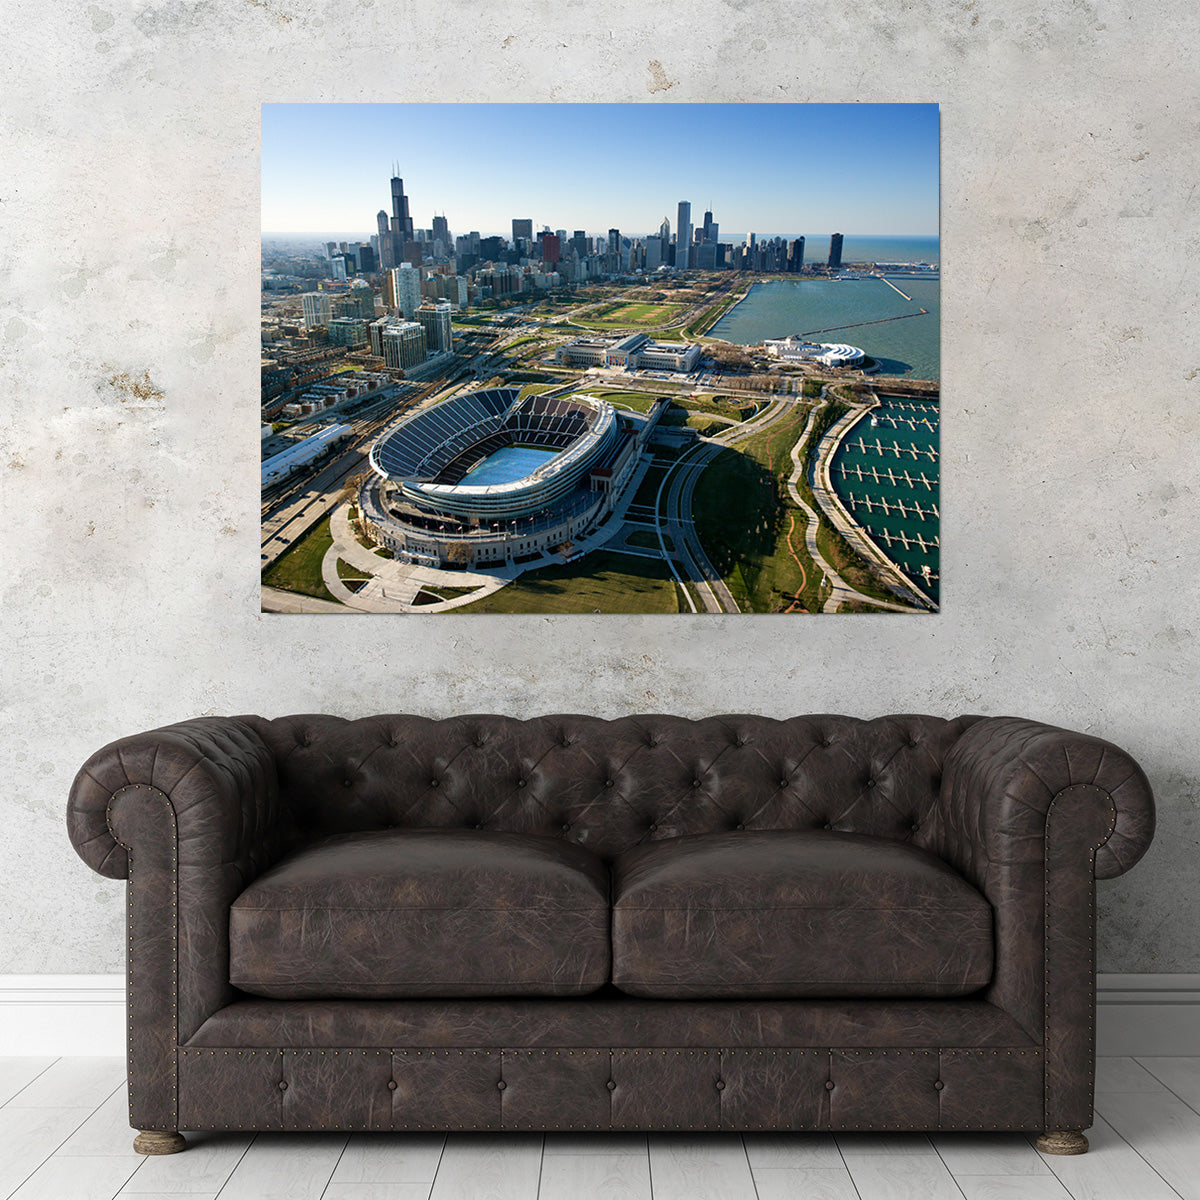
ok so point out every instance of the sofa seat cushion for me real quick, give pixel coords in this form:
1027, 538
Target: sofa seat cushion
789, 914
406, 913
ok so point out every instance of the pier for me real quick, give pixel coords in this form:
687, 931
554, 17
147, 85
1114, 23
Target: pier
860, 324
894, 287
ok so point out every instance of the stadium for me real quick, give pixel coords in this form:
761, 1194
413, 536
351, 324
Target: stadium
489, 479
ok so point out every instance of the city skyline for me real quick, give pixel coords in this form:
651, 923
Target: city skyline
773, 169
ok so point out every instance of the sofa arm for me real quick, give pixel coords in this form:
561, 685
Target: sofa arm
1032, 816
1003, 775
218, 776
189, 814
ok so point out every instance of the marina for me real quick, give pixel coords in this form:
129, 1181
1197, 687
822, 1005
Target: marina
885, 472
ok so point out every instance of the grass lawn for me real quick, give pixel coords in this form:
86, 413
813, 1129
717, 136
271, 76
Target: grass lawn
603, 580
744, 518
620, 315
638, 401
299, 570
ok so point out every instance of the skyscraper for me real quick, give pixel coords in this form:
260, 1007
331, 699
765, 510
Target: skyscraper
434, 319
709, 236
683, 235
522, 228
401, 220
835, 252
318, 309
441, 232
796, 256
401, 227
664, 231
551, 249
406, 288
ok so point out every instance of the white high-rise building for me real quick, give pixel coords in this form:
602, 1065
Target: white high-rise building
683, 235
318, 308
406, 285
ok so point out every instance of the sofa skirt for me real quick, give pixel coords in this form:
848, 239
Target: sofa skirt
911, 1065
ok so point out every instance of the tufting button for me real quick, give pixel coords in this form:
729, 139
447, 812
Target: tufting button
784, 782
480, 741
939, 1085
347, 783
434, 782
565, 826
720, 1085
829, 1085
827, 741
521, 782
479, 825
501, 1085
915, 827
392, 1085
695, 783
652, 828
827, 825
912, 741
608, 783
611, 1085
283, 1085
564, 741
739, 825
870, 783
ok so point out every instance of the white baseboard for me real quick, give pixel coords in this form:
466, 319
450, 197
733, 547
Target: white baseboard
62, 1014
85, 1014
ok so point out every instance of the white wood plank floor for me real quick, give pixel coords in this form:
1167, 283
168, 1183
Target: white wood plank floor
63, 1136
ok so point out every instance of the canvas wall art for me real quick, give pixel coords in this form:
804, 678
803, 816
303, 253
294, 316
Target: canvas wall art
595, 358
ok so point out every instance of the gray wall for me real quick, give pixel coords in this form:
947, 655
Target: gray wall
129, 293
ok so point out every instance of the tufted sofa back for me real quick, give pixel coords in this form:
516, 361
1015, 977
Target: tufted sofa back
609, 785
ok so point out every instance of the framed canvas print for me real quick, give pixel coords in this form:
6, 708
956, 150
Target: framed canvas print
590, 358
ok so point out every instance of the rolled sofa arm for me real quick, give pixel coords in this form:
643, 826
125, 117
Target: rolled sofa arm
1003, 775
218, 775
189, 814
1032, 816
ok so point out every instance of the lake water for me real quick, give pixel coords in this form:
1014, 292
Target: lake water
507, 466
853, 311
886, 475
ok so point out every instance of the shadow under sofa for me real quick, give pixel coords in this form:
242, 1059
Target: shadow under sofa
649, 923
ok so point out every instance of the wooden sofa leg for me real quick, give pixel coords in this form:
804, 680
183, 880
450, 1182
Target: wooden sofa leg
159, 1141
1062, 1141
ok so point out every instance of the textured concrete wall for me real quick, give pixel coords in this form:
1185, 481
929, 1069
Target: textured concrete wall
129, 301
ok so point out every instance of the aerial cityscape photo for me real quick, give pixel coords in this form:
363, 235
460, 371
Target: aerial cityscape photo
593, 358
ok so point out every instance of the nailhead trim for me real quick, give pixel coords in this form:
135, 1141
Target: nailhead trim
1046, 1007
174, 825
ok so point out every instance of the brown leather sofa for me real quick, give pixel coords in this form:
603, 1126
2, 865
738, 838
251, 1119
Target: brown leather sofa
650, 923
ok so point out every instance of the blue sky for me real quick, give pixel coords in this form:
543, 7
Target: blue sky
771, 168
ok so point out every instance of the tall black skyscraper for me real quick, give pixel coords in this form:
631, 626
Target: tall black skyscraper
402, 225
796, 256
835, 252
